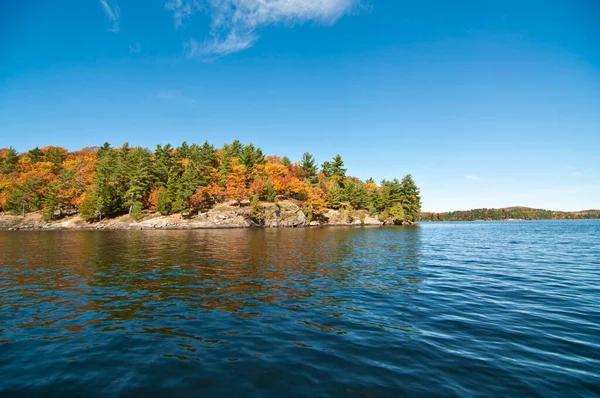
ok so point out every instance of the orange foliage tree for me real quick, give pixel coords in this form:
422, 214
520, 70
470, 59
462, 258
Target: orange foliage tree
236, 182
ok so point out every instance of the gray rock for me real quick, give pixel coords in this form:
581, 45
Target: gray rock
372, 221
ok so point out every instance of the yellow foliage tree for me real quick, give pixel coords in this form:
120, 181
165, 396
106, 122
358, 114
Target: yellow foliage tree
236, 182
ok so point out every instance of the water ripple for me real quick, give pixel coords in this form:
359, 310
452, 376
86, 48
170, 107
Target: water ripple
447, 309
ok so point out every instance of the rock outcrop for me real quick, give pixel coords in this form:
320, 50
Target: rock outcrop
285, 214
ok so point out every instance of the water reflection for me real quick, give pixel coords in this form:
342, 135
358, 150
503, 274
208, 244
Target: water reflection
176, 294
461, 309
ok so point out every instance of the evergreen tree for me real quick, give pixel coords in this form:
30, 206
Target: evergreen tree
308, 165
411, 198
108, 182
337, 167
334, 196
10, 161
270, 194
139, 176
56, 156
163, 161
397, 213
355, 194
251, 156
35, 155
174, 191
51, 201
163, 203
286, 161
207, 158
326, 169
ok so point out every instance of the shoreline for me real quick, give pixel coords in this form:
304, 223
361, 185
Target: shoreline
286, 215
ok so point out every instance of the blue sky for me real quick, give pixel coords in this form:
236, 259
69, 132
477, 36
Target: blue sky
486, 103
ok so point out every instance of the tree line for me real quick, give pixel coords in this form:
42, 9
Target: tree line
104, 181
514, 213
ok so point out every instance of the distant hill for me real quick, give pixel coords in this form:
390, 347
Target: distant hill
509, 213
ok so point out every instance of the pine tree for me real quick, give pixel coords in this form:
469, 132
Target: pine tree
251, 156
308, 165
174, 191
337, 167
51, 201
10, 161
286, 161
411, 198
163, 202
163, 161
270, 194
333, 196
108, 183
35, 155
139, 175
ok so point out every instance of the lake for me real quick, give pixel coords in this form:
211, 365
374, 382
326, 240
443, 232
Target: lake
439, 309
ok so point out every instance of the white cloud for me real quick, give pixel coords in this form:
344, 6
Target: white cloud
234, 23
113, 12
472, 177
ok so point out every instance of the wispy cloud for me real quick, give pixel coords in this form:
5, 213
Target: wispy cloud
113, 12
472, 177
576, 175
235, 23
175, 96
134, 47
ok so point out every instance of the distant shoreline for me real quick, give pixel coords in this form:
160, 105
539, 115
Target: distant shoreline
509, 214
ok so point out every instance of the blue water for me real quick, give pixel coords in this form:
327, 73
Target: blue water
441, 309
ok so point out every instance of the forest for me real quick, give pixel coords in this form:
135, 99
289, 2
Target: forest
510, 213
104, 181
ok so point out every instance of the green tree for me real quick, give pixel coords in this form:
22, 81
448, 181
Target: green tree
10, 161
334, 197
411, 198
163, 204
251, 156
397, 213
335, 168
139, 177
50, 202
163, 161
108, 181
270, 193
308, 165
35, 155
286, 161
88, 209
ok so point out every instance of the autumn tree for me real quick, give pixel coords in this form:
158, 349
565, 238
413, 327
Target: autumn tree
236, 182
315, 204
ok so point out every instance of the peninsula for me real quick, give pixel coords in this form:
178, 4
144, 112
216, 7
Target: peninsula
191, 186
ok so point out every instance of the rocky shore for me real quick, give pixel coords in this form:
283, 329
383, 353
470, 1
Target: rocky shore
285, 214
